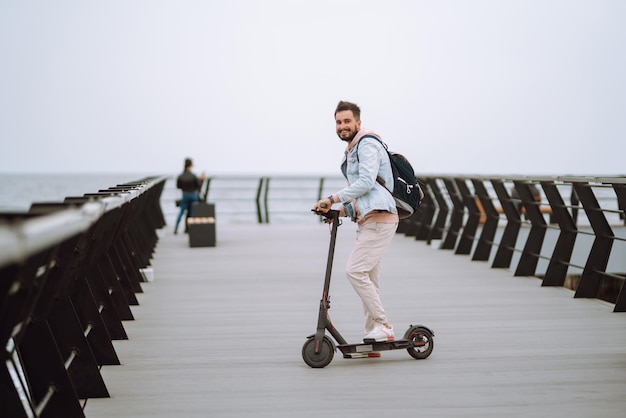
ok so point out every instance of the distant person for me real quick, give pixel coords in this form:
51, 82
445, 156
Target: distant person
190, 184
372, 207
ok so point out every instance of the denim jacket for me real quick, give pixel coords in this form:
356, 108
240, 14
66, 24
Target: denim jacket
363, 193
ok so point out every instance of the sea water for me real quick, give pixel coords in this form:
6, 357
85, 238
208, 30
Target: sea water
18, 191
289, 198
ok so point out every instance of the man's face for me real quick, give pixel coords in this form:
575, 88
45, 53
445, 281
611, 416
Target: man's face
346, 125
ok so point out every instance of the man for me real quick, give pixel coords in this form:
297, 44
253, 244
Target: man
190, 185
369, 204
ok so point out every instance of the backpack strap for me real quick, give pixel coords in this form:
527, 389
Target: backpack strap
379, 180
368, 136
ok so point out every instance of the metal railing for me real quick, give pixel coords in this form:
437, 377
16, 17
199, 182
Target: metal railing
474, 215
69, 272
579, 244
262, 199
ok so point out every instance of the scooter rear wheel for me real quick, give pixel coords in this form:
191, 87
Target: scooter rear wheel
423, 342
321, 359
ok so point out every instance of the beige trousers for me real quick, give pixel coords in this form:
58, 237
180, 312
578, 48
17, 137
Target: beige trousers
363, 268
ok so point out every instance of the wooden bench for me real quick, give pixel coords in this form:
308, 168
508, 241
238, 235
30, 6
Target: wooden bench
544, 209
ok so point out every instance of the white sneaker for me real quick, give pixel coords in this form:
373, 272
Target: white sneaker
380, 333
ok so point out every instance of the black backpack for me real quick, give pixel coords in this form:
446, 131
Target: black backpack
406, 189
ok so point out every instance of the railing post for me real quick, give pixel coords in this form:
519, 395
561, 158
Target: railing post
485, 241
425, 215
532, 249
562, 254
207, 186
267, 189
320, 189
436, 232
602, 244
466, 241
258, 200
456, 221
504, 254
620, 192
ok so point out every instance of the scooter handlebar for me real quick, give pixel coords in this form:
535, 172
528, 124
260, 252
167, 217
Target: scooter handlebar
330, 215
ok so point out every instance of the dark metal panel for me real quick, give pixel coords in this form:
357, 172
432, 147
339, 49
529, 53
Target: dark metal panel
620, 192
126, 269
562, 254
104, 303
466, 241
439, 226
46, 373
532, 249
601, 249
71, 342
90, 319
456, 220
504, 254
620, 303
103, 272
490, 226
11, 404
426, 213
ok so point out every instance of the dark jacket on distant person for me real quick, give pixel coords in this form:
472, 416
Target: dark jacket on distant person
188, 182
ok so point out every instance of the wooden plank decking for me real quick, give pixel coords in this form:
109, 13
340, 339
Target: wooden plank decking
219, 331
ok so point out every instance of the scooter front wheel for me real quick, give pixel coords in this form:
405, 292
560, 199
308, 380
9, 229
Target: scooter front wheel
321, 359
422, 340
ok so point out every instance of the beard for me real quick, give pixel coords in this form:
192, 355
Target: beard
349, 138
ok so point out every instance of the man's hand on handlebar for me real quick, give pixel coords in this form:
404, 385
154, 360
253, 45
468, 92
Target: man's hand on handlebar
322, 206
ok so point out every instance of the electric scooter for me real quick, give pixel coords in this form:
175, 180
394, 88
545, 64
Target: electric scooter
319, 348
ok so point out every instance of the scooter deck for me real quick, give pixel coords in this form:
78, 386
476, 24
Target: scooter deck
370, 346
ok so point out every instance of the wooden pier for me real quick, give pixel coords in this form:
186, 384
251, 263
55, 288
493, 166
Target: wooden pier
219, 332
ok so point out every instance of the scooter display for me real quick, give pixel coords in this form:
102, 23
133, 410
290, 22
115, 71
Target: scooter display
319, 349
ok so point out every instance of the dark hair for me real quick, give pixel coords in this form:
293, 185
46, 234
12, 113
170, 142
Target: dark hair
188, 163
356, 111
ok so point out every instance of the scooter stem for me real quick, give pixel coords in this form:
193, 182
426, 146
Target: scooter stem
323, 321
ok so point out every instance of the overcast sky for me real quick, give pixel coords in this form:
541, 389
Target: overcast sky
246, 86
